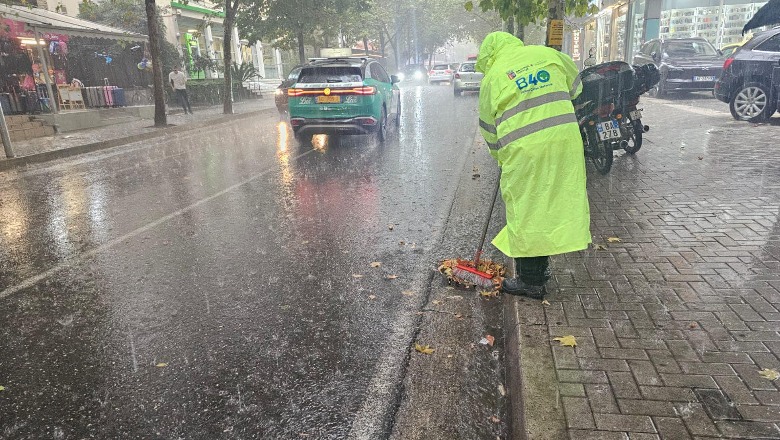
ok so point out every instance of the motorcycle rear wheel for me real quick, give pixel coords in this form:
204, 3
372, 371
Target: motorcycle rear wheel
635, 141
601, 157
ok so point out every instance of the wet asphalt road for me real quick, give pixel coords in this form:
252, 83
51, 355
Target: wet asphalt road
219, 284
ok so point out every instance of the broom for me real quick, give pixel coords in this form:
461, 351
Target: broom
471, 274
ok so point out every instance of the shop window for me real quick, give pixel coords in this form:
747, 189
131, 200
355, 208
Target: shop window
770, 45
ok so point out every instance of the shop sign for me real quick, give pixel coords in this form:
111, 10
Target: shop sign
555, 36
576, 47
18, 29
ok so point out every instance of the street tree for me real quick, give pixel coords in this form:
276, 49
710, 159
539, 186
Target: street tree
153, 26
525, 12
231, 8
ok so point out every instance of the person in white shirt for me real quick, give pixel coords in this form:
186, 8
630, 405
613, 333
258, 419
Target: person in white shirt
179, 84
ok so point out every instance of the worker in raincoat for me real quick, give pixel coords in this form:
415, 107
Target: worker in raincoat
527, 119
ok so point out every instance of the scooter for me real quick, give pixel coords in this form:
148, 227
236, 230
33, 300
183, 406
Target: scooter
607, 110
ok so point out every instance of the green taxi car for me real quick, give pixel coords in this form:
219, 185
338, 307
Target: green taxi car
343, 96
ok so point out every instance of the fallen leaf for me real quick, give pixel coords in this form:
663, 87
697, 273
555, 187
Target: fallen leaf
545, 302
2, 388
614, 239
599, 247
305, 242
567, 341
449, 355
692, 325
701, 157
424, 349
495, 419
766, 373
490, 340
391, 277
402, 243
376, 264
161, 365
408, 292
357, 275
390, 227
488, 293
371, 296
458, 316
436, 302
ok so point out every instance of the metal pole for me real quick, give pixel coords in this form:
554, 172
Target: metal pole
52, 101
9, 152
556, 13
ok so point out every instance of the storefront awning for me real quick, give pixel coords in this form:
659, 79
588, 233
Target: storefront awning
52, 22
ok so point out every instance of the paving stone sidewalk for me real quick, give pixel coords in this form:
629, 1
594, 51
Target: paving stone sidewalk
202, 115
678, 307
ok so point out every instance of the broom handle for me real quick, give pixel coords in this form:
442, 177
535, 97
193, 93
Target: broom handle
487, 221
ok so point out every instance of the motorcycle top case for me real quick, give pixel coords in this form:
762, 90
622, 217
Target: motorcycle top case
605, 82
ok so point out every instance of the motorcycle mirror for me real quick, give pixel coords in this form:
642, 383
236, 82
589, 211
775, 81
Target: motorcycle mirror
655, 56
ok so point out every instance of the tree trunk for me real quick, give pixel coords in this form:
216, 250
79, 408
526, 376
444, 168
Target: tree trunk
365, 45
509, 25
227, 46
519, 31
160, 119
301, 49
382, 43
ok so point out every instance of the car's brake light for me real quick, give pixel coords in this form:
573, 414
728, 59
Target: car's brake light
727, 63
448, 71
431, 72
457, 76
365, 90
295, 92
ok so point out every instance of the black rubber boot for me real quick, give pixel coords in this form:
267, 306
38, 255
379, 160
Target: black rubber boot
514, 286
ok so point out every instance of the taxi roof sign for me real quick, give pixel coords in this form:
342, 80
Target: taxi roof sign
335, 52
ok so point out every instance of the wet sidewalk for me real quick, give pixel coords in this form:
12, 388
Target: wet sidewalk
131, 131
676, 308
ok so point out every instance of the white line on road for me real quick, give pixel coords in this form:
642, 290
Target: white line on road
29, 282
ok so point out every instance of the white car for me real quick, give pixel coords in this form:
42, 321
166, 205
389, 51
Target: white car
467, 79
441, 73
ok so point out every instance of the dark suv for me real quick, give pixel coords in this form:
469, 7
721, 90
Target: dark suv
750, 81
685, 64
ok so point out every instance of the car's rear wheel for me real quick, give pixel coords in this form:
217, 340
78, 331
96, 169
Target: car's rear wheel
658, 91
751, 103
382, 131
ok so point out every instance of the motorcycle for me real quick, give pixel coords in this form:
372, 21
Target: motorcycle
607, 109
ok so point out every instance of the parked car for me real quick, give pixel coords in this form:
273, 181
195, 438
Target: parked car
750, 82
467, 79
280, 94
685, 64
414, 73
343, 96
441, 73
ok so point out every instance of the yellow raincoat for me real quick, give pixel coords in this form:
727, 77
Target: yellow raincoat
527, 119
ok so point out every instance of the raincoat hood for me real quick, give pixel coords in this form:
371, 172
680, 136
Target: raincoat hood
491, 45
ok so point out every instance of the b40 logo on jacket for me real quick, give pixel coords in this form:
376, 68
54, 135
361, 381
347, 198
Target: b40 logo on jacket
533, 79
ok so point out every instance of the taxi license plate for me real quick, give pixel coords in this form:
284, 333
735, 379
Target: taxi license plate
608, 130
704, 78
634, 115
328, 99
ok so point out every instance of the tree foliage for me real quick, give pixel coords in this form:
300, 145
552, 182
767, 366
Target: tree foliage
529, 11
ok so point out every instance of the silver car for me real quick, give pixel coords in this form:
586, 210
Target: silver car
467, 79
440, 73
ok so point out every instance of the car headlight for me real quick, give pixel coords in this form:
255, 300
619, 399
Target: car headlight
418, 75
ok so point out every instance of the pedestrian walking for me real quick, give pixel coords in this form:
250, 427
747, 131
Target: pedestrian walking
179, 84
527, 119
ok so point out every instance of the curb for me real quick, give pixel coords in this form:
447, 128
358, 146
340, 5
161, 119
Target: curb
8, 164
535, 407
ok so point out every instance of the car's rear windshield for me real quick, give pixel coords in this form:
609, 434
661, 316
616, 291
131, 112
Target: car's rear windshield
330, 74
441, 67
469, 67
689, 49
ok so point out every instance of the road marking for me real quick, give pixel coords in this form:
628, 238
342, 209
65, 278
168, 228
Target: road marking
699, 111
70, 262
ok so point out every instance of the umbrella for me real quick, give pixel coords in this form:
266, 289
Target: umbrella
768, 14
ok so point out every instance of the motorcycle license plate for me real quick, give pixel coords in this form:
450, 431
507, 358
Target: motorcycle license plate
636, 114
703, 78
608, 130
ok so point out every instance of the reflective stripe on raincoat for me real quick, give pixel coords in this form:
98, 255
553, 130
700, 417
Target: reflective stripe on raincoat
527, 119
